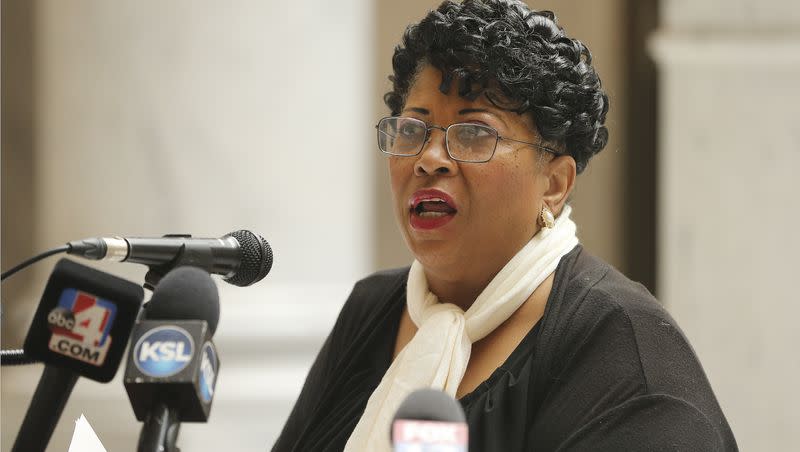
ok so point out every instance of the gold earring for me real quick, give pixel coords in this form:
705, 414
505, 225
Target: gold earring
546, 218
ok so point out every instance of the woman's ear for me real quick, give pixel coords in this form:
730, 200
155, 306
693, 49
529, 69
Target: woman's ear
560, 173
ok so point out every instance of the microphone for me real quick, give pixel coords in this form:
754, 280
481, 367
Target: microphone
242, 257
81, 327
172, 364
429, 420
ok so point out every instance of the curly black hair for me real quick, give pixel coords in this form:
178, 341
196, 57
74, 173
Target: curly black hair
519, 58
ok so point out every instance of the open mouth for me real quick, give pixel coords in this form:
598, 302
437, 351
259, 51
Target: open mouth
431, 208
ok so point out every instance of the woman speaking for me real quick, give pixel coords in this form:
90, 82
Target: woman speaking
494, 111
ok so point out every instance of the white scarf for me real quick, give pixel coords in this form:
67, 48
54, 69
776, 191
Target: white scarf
438, 354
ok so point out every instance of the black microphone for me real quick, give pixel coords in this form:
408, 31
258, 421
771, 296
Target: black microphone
429, 420
242, 257
80, 328
172, 364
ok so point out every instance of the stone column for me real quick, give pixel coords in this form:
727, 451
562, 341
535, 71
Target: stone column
728, 208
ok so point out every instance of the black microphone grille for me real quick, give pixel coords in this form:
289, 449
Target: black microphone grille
256, 258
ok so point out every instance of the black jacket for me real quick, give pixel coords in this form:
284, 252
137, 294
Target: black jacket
605, 369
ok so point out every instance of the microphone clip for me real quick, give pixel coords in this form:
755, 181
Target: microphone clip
201, 257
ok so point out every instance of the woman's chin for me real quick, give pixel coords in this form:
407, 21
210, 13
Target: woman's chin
436, 242
439, 255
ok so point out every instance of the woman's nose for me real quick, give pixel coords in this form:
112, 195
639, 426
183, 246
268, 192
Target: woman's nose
434, 158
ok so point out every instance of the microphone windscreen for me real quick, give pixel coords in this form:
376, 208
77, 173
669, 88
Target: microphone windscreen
429, 420
430, 405
84, 320
185, 293
256, 259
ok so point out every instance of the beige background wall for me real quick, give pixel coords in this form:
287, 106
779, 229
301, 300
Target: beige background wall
728, 242
150, 117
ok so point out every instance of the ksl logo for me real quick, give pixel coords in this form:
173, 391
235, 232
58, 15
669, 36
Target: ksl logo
208, 372
80, 326
163, 351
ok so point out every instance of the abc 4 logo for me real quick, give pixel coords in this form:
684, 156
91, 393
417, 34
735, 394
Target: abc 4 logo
80, 326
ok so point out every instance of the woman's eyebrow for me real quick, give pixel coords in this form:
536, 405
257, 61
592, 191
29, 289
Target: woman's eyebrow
422, 111
466, 111
473, 110
463, 111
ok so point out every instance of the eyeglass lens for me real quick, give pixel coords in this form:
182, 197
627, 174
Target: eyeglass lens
465, 142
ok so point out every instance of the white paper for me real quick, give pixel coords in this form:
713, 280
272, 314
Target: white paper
85, 439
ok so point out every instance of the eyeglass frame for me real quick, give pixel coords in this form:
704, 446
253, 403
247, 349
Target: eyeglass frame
429, 127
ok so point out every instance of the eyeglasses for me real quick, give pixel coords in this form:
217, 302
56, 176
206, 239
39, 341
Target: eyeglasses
465, 142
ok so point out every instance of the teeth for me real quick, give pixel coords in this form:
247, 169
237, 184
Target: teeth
432, 214
431, 200
419, 203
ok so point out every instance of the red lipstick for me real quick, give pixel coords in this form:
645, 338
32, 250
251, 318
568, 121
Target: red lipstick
431, 208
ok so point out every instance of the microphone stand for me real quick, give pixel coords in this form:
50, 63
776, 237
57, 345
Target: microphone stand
160, 430
52, 392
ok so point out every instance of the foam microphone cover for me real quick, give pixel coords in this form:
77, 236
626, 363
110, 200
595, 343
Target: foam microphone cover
84, 320
429, 420
430, 405
185, 293
172, 358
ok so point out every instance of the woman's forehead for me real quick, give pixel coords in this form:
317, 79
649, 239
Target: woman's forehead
427, 90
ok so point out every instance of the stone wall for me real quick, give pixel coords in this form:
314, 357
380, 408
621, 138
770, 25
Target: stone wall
727, 247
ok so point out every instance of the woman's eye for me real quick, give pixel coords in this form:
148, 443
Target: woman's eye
410, 130
470, 132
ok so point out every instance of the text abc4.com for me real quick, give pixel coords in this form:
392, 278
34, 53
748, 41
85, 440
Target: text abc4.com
81, 324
